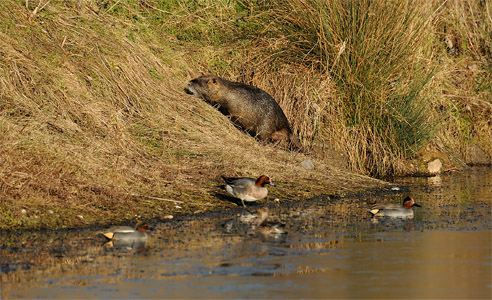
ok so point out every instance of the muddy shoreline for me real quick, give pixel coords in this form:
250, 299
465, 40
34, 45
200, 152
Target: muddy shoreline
228, 211
216, 202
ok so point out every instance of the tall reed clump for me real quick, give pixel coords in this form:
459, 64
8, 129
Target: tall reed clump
373, 52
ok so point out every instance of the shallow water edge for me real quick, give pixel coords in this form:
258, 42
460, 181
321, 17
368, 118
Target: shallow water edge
333, 249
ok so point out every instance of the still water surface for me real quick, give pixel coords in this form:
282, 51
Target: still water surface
333, 249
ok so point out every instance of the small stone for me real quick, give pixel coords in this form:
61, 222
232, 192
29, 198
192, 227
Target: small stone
395, 188
474, 155
449, 41
23, 211
434, 166
168, 217
276, 200
308, 164
80, 216
50, 211
177, 206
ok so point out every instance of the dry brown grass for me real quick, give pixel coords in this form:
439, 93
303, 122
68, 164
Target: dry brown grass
452, 110
89, 117
92, 109
465, 77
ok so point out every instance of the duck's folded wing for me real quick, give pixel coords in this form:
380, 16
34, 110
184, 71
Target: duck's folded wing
239, 182
384, 206
236, 190
121, 229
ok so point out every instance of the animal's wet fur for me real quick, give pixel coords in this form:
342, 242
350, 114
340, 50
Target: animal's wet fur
249, 107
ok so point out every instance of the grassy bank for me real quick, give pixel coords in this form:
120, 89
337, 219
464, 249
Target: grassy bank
405, 77
95, 127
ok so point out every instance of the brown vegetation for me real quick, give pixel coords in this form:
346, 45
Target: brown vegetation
389, 86
94, 121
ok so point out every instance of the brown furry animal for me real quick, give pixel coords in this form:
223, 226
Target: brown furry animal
249, 107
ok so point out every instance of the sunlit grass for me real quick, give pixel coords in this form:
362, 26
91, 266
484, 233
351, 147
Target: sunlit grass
93, 111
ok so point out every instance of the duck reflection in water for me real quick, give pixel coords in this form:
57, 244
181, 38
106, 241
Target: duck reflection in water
391, 223
256, 223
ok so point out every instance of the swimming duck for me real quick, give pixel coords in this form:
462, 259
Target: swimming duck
126, 235
393, 210
247, 189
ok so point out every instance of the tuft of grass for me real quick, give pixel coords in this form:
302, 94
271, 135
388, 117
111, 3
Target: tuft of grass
382, 67
373, 52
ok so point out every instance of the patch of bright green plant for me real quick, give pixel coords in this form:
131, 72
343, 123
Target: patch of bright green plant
154, 74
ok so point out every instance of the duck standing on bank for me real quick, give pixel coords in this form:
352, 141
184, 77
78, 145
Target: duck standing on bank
393, 210
247, 189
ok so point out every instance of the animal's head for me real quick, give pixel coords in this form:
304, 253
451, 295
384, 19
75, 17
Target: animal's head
204, 87
408, 202
263, 179
142, 227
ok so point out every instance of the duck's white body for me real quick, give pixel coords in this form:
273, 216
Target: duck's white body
247, 189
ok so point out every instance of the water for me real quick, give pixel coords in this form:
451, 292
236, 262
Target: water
333, 249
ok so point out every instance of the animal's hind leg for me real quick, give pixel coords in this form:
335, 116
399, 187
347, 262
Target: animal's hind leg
279, 138
264, 136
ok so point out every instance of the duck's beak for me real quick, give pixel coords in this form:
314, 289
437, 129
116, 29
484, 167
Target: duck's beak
415, 204
272, 184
